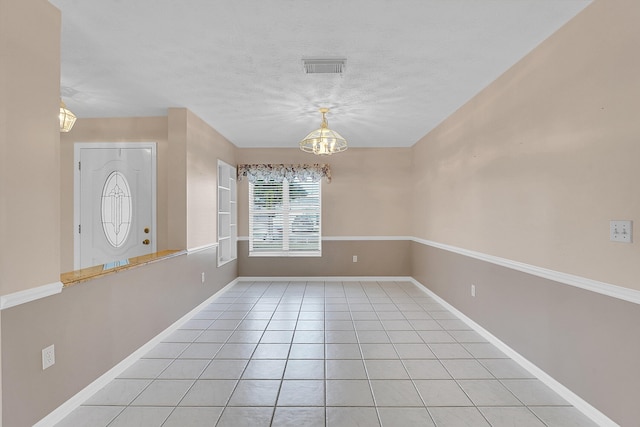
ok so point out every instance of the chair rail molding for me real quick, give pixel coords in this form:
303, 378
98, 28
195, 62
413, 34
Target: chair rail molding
28, 295
615, 291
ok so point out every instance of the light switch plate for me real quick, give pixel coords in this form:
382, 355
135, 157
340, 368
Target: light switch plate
621, 231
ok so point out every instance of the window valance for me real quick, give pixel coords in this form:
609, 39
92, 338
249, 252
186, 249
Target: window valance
280, 172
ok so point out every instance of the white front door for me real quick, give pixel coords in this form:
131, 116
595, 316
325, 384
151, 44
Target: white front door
115, 201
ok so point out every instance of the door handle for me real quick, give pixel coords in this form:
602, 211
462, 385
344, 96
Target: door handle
146, 230
146, 241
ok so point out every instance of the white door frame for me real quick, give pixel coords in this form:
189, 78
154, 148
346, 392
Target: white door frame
76, 188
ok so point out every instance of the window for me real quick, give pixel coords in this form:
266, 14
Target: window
227, 213
284, 217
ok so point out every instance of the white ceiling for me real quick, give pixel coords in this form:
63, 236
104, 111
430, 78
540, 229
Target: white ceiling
237, 63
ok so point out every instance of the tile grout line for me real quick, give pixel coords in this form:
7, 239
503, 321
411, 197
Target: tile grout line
402, 361
366, 371
275, 404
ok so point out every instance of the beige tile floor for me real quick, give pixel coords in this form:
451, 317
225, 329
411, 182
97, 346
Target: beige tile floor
325, 353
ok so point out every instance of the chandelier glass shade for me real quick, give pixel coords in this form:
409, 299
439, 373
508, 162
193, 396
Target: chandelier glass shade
67, 118
323, 141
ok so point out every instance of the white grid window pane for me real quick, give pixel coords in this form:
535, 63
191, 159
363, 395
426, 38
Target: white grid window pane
284, 218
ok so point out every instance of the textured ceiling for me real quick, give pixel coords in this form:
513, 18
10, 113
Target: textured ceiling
237, 63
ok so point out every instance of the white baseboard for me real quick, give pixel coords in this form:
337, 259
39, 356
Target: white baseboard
67, 407
347, 238
324, 279
579, 403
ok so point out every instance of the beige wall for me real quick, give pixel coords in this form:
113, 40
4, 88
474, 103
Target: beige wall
29, 144
205, 146
370, 193
131, 129
534, 167
194, 150
29, 149
177, 178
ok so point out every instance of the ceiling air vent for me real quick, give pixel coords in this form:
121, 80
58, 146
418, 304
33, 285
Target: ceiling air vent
324, 65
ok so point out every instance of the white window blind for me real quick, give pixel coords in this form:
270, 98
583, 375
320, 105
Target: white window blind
284, 218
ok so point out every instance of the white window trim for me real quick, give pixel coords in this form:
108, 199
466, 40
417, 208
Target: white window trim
227, 215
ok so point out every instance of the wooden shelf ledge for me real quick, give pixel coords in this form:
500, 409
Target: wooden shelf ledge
90, 273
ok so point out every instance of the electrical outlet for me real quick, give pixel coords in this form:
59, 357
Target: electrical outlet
48, 357
620, 231
203, 277
355, 258
473, 290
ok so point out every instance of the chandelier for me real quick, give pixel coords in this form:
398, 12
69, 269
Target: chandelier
323, 141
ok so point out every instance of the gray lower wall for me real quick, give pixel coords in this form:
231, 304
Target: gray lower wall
587, 341
375, 258
94, 326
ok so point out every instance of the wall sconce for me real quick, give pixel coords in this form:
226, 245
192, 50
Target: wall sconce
67, 118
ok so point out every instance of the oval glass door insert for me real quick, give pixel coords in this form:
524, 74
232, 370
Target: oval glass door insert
116, 209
